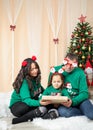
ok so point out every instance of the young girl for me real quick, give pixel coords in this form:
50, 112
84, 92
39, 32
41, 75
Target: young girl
55, 89
24, 103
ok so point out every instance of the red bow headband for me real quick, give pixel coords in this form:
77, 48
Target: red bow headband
24, 63
52, 70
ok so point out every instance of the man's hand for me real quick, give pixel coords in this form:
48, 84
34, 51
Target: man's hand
67, 104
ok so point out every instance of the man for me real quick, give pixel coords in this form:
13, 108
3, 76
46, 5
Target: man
76, 86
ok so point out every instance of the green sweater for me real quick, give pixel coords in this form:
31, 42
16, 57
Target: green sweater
78, 90
53, 91
25, 95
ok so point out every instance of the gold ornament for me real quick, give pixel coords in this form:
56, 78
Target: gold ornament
83, 57
83, 39
76, 51
76, 35
89, 48
80, 65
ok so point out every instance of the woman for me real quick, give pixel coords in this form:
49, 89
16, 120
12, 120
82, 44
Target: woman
24, 103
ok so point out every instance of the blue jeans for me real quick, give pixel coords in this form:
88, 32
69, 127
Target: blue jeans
85, 108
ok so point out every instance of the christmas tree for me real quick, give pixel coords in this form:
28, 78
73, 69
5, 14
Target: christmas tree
82, 42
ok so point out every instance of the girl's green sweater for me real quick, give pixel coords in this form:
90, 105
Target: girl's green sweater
78, 91
53, 91
26, 95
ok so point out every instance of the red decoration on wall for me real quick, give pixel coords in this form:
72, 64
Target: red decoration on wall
56, 40
82, 18
12, 27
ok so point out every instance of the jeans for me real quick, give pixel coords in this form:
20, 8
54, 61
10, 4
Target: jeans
85, 108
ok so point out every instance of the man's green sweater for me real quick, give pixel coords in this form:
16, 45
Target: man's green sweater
77, 89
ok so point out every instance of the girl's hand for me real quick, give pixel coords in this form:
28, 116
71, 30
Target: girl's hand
44, 103
67, 104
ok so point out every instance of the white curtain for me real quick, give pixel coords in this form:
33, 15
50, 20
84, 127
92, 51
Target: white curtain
73, 13
34, 25
12, 8
55, 26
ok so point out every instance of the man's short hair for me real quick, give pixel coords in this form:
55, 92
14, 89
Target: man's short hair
72, 56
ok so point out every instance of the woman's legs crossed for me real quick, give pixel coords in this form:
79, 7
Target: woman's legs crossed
19, 109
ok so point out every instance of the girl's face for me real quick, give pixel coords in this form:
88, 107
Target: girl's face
33, 70
57, 81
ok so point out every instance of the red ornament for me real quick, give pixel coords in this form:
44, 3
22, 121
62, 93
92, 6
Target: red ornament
82, 18
82, 34
78, 46
24, 63
89, 33
34, 58
88, 56
84, 27
72, 36
80, 53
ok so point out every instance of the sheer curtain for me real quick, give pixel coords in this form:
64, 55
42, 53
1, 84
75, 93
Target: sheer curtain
12, 8
34, 26
55, 25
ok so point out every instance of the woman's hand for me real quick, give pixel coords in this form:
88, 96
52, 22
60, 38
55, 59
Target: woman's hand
44, 103
67, 104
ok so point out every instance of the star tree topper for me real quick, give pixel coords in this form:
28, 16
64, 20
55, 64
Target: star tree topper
82, 18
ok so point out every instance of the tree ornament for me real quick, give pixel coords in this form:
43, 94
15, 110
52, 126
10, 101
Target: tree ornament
80, 53
72, 35
76, 51
88, 56
86, 33
74, 44
82, 34
89, 33
83, 47
78, 46
83, 39
80, 65
84, 27
89, 48
76, 35
83, 57
82, 18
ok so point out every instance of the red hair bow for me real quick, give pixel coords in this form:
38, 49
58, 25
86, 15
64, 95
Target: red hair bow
34, 58
24, 63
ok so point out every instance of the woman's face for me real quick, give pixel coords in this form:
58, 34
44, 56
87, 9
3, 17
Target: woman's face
57, 81
33, 70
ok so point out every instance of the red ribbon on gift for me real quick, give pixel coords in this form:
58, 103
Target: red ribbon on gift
56, 40
12, 27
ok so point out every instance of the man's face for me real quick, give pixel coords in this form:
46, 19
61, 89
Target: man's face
70, 65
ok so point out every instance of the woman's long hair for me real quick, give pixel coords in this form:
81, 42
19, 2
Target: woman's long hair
24, 73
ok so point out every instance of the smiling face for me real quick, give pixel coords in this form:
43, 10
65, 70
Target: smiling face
57, 81
33, 70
